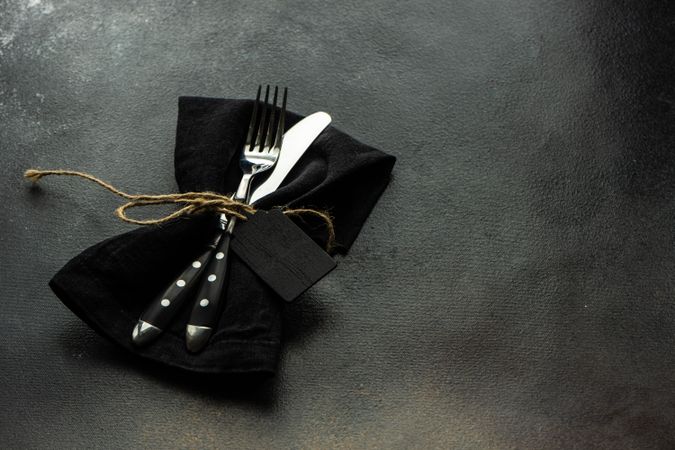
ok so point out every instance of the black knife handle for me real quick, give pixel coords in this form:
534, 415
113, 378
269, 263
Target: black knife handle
164, 307
211, 293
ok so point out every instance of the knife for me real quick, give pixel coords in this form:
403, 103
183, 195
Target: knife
164, 307
203, 320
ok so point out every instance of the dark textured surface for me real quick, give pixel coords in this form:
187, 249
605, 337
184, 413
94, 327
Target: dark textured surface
512, 288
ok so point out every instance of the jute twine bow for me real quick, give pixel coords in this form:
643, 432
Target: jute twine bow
193, 203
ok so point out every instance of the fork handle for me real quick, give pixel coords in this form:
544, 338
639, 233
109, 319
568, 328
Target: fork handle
244, 186
211, 291
208, 304
206, 309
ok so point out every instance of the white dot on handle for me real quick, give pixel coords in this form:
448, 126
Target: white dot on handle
196, 264
211, 278
204, 302
180, 283
165, 302
220, 255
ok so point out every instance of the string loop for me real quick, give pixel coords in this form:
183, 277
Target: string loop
189, 203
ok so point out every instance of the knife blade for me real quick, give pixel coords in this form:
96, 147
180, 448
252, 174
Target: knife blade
296, 142
164, 307
209, 301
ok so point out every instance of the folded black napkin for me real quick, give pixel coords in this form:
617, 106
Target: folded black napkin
109, 284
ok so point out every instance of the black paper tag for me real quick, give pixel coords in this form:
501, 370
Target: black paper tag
280, 253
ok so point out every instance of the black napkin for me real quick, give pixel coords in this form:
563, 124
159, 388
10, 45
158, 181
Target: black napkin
109, 284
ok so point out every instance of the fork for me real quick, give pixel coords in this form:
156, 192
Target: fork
260, 153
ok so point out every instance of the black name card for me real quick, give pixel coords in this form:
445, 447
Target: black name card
280, 253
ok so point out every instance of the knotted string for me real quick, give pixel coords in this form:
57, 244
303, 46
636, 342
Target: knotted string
192, 203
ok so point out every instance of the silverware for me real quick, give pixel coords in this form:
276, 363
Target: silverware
157, 317
164, 307
260, 153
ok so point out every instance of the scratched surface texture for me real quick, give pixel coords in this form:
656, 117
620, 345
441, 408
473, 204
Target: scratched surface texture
513, 288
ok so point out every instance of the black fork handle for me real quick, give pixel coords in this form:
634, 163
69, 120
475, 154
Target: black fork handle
211, 294
208, 305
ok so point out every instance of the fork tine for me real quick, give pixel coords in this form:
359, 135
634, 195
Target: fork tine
282, 121
264, 118
272, 125
252, 124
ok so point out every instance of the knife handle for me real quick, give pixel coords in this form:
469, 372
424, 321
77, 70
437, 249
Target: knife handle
164, 307
211, 293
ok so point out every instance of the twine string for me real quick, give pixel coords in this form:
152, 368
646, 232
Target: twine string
189, 203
